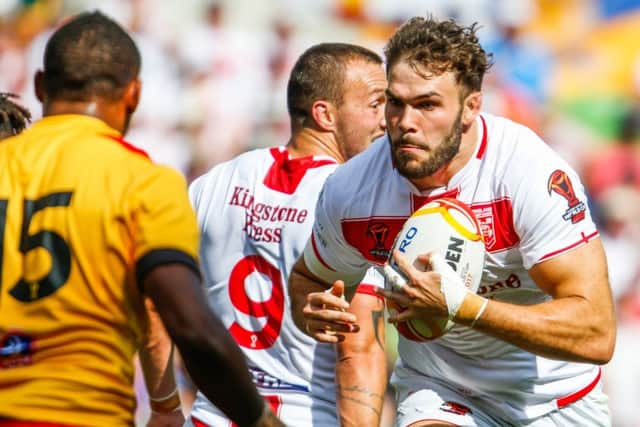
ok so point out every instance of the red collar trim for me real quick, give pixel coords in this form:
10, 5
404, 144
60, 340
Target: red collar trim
483, 143
129, 146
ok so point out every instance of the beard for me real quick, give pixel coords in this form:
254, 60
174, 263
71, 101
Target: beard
411, 168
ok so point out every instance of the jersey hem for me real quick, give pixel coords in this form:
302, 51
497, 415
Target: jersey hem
574, 397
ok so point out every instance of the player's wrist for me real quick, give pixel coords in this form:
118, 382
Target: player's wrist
166, 404
471, 309
451, 286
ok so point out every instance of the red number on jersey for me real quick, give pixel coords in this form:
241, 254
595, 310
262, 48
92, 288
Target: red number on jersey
272, 309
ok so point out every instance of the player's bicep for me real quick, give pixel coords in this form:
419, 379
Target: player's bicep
579, 272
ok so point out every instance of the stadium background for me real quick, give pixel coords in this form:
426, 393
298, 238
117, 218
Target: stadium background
214, 77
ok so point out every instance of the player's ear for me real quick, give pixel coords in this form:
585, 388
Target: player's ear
471, 108
38, 83
131, 95
324, 115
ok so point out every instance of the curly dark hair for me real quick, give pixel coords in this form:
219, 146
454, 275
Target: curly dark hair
13, 117
433, 46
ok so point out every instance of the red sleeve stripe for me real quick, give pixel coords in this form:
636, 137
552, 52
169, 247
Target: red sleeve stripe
315, 251
368, 289
585, 239
568, 400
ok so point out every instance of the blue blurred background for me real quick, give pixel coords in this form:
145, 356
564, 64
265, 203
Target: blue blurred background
214, 77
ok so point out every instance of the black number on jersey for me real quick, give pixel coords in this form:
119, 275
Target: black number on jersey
27, 291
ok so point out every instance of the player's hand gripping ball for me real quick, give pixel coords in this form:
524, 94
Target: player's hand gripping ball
446, 227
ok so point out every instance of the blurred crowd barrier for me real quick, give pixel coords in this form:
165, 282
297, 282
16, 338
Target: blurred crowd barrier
214, 77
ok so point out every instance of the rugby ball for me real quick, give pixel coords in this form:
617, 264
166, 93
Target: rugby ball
447, 227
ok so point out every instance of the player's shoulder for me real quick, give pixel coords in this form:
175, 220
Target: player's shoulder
514, 150
361, 173
243, 168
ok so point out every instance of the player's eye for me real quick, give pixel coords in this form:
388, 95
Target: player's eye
427, 105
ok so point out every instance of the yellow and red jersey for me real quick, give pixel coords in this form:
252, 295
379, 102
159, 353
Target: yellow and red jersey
83, 216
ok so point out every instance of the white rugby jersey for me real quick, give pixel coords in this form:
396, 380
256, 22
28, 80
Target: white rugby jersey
255, 214
531, 206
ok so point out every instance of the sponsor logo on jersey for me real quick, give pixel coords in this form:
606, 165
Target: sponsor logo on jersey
372, 237
264, 221
16, 349
455, 408
377, 233
264, 380
454, 252
560, 183
511, 282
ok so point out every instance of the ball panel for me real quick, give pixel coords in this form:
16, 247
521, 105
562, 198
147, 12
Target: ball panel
418, 330
447, 227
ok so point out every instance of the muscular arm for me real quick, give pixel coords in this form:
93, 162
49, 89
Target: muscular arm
156, 360
361, 375
213, 359
577, 325
314, 311
156, 356
360, 390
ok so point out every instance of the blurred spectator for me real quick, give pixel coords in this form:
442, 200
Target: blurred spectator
13, 73
619, 163
620, 235
227, 78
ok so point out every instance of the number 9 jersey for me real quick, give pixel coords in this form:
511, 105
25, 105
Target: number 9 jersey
255, 214
83, 217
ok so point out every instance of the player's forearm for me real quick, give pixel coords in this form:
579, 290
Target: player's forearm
156, 356
301, 285
156, 360
361, 368
213, 359
361, 382
218, 368
569, 328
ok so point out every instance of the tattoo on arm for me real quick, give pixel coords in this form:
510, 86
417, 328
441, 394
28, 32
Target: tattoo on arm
342, 391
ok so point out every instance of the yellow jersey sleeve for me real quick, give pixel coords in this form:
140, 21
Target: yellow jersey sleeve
164, 224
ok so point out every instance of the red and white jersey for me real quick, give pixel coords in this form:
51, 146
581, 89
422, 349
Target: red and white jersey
531, 206
255, 214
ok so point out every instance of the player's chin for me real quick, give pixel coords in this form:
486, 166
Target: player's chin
407, 161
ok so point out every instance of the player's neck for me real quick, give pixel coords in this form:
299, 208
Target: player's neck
442, 176
110, 113
309, 142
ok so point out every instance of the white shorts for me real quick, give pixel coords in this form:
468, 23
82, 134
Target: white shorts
294, 408
426, 399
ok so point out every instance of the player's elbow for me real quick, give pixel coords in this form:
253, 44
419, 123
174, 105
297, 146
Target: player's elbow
604, 350
600, 347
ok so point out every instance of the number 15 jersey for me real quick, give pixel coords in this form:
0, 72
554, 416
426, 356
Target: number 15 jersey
255, 215
83, 217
